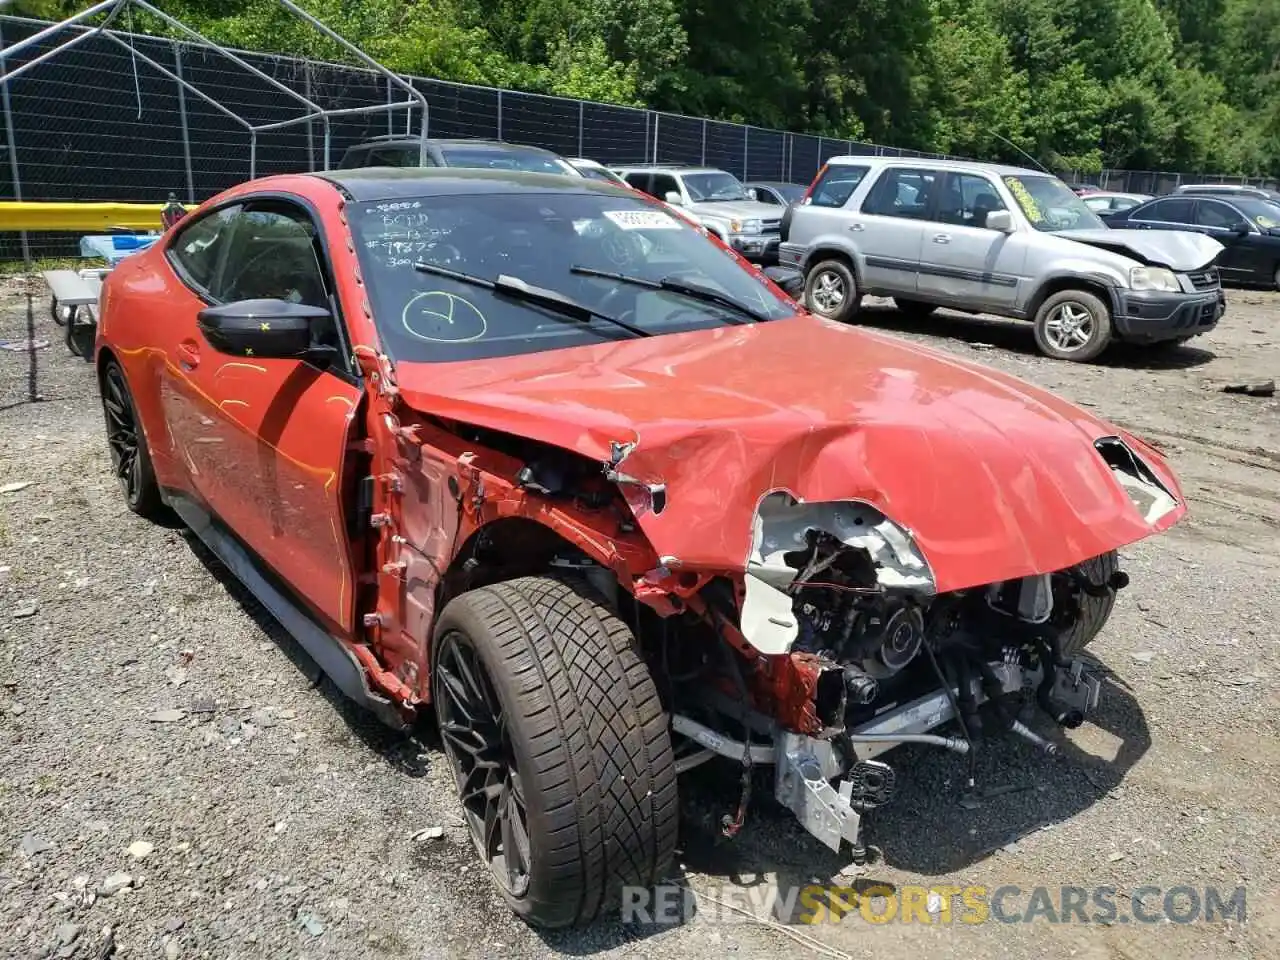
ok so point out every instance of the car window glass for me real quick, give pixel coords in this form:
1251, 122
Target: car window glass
1169, 210
639, 180
1123, 203
662, 185
1211, 213
1100, 204
835, 185
968, 199
198, 247
273, 256
354, 158
396, 157
902, 192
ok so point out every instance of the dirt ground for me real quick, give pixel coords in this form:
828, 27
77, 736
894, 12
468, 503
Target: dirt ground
283, 822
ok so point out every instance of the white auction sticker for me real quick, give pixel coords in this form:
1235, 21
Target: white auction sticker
642, 219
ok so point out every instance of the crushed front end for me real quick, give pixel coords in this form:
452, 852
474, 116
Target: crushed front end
843, 650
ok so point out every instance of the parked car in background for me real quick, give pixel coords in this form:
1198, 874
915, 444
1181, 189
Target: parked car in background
1248, 229
1105, 202
1230, 190
775, 193
719, 201
993, 239
401, 151
595, 171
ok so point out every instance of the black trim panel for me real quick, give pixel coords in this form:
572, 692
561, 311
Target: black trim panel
338, 663
954, 273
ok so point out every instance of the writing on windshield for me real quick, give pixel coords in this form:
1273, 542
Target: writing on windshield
1050, 205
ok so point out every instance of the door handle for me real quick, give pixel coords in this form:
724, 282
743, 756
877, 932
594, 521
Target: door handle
856, 227
188, 355
942, 238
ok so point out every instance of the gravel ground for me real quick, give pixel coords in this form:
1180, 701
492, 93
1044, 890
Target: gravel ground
273, 819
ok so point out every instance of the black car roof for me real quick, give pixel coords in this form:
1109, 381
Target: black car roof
401, 140
367, 184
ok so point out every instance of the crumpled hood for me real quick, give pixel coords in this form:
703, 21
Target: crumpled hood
737, 210
996, 479
1176, 249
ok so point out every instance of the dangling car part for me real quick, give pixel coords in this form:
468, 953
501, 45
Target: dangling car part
538, 457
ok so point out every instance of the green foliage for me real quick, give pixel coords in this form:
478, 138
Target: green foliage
1190, 85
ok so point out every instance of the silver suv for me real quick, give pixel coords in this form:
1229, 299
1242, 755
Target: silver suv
718, 200
992, 239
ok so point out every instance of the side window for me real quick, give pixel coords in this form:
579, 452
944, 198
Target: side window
903, 192
766, 196
198, 248
835, 185
273, 256
663, 184
1212, 213
968, 199
353, 158
1170, 210
640, 181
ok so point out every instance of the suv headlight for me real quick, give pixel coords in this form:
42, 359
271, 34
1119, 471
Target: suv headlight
750, 227
1153, 278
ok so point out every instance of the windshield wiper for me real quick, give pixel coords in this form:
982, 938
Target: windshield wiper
672, 285
514, 288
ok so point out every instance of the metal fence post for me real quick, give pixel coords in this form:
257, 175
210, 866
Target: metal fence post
581, 110
10, 142
391, 128
311, 135
703, 161
746, 141
499, 114
657, 119
820, 160
646, 136
182, 117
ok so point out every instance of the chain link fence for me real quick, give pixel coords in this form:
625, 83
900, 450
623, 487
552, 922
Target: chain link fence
98, 122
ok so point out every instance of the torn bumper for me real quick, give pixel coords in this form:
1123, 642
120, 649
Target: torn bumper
1152, 317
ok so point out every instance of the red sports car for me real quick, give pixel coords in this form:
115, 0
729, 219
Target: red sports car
419, 414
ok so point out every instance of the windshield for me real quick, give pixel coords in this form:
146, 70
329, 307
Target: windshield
600, 173
1050, 204
539, 237
1263, 213
509, 158
714, 187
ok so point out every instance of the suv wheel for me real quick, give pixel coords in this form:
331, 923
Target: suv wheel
559, 746
1073, 325
831, 291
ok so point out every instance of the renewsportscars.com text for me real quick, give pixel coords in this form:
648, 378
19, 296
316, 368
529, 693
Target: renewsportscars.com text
935, 904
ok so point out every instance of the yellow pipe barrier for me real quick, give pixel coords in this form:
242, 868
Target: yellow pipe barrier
94, 217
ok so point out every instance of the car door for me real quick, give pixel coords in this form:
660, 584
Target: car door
962, 260
264, 439
891, 229
1241, 257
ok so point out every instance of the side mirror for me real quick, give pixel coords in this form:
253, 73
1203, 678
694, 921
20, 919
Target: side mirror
267, 329
1241, 229
674, 198
751, 192
1000, 220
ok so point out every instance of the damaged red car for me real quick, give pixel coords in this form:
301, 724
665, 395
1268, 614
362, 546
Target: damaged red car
531, 454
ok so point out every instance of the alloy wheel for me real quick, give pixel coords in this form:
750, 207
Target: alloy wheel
828, 292
123, 437
473, 728
1069, 328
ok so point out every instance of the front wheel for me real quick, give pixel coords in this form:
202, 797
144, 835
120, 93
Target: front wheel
1095, 609
559, 746
831, 291
1073, 325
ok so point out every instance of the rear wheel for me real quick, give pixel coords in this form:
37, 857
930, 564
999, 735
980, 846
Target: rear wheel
914, 308
559, 746
1073, 325
130, 458
831, 291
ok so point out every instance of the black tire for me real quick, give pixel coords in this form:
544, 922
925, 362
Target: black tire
1073, 310
79, 336
831, 291
130, 455
914, 308
1095, 611
1276, 277
586, 744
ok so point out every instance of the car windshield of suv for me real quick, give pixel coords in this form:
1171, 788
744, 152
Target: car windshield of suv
714, 187
537, 238
1051, 205
509, 158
